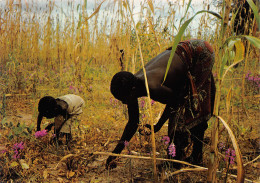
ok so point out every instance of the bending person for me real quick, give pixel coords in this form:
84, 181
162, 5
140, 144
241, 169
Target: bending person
188, 93
64, 110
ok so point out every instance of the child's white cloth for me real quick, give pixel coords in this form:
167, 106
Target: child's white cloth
75, 105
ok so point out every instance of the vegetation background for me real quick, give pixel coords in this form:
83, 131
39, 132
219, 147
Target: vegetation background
52, 50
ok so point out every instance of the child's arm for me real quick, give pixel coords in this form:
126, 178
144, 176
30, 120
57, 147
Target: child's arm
39, 120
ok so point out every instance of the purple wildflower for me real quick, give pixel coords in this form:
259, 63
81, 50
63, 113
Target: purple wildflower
39, 134
248, 73
17, 147
172, 150
152, 102
142, 103
71, 87
250, 78
221, 145
126, 143
16, 155
230, 155
166, 139
113, 102
4, 151
143, 116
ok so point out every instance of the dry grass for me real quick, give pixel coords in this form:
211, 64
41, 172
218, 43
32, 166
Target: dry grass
42, 54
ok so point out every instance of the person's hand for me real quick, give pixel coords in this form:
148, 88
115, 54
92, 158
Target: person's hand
111, 162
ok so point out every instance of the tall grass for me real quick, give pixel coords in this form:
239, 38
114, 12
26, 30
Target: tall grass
55, 50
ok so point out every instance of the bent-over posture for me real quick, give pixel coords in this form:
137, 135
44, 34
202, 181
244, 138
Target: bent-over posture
64, 110
188, 93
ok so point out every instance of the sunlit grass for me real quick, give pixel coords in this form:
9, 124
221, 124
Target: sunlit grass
78, 52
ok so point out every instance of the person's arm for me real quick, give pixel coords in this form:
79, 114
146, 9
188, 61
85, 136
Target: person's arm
48, 128
129, 131
39, 120
165, 116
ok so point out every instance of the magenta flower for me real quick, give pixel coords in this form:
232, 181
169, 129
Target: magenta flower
248, 73
250, 78
152, 102
40, 134
17, 147
221, 145
142, 103
4, 151
126, 143
230, 155
166, 139
172, 150
71, 87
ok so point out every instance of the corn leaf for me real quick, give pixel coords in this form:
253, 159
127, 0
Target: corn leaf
228, 100
240, 50
186, 11
254, 41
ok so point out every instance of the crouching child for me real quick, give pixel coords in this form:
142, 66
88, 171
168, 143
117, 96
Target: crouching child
64, 110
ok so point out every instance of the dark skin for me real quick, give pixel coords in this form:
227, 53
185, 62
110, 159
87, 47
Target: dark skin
171, 93
53, 111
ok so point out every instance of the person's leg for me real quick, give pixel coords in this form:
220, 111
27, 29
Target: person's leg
66, 129
197, 135
58, 122
180, 139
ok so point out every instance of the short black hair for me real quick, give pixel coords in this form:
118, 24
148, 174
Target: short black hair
122, 84
47, 105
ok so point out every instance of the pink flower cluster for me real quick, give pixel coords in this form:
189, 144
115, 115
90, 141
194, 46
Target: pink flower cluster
75, 89
172, 150
142, 103
126, 143
166, 140
40, 134
152, 102
230, 155
114, 102
17, 147
4, 151
254, 79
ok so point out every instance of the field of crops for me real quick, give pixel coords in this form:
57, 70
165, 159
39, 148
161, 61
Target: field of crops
60, 47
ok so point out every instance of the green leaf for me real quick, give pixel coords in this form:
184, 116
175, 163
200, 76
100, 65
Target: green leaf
255, 10
179, 35
10, 135
79, 22
14, 164
186, 11
254, 41
240, 50
224, 62
24, 164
